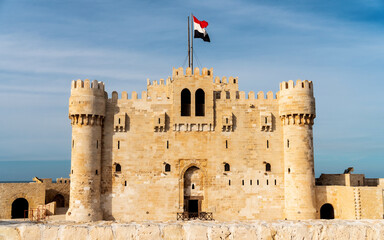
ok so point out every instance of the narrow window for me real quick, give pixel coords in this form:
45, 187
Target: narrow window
167, 167
119, 120
226, 120
193, 186
217, 95
229, 182
257, 181
65, 181
97, 172
73, 143
118, 144
234, 80
227, 95
287, 143
358, 183
167, 144
242, 182
185, 102
208, 72
97, 144
118, 168
125, 183
227, 168
226, 143
289, 170
267, 143
275, 181
267, 167
266, 120
61, 181
159, 120
200, 102
302, 85
250, 182
72, 171
267, 182
237, 93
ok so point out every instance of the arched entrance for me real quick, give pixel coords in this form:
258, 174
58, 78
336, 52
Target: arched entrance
327, 211
193, 190
18, 208
59, 199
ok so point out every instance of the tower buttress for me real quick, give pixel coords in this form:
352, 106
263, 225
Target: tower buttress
87, 112
297, 112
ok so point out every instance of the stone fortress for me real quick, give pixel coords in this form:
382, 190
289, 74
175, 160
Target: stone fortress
195, 144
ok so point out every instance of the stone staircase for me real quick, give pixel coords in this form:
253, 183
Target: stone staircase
356, 193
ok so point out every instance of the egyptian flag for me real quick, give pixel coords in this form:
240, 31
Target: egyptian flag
199, 27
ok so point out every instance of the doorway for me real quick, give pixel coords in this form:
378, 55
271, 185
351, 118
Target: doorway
59, 199
18, 208
327, 211
193, 206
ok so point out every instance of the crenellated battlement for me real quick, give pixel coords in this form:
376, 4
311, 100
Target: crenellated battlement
87, 84
179, 72
300, 85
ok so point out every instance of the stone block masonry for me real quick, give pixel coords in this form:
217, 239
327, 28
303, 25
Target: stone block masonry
308, 229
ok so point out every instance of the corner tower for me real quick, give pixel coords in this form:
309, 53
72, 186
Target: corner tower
297, 112
86, 111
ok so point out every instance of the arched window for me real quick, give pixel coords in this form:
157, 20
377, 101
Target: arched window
118, 168
327, 212
227, 168
268, 167
185, 102
167, 167
200, 103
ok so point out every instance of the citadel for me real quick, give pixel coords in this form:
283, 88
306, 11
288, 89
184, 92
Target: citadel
194, 146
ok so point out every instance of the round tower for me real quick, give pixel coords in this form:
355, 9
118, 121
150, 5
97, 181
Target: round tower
86, 111
297, 112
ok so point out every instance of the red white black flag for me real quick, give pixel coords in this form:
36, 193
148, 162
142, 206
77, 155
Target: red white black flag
199, 27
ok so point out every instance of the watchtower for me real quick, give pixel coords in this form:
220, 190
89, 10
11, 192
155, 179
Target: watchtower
297, 112
87, 112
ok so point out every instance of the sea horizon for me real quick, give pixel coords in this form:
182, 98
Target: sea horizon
26, 170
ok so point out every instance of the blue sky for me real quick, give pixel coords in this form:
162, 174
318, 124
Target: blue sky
339, 45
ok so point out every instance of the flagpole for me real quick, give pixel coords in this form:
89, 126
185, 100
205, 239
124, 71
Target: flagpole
192, 28
189, 45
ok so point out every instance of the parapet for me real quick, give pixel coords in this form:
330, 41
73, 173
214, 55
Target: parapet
178, 72
87, 99
296, 102
80, 85
300, 86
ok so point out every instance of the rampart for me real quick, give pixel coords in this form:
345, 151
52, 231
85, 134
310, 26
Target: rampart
310, 229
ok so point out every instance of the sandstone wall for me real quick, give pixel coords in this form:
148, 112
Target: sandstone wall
143, 134
351, 202
315, 230
34, 193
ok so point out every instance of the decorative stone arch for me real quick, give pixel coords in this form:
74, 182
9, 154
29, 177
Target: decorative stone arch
204, 199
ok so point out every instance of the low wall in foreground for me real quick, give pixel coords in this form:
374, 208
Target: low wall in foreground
311, 229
